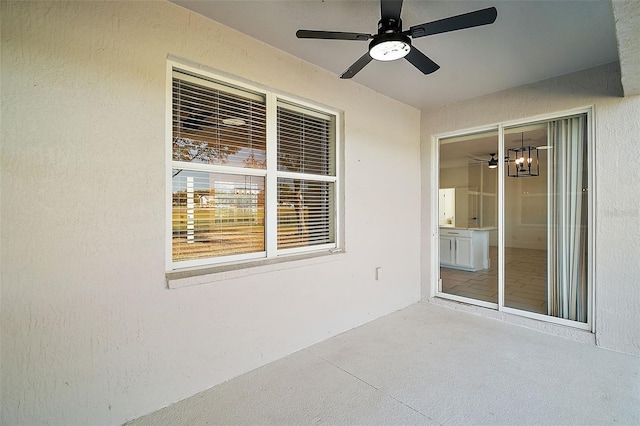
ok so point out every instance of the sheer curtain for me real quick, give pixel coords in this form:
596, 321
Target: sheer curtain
568, 219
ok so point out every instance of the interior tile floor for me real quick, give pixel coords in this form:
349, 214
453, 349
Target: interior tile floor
525, 280
426, 365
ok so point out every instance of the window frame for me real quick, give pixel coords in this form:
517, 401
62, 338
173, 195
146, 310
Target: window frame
271, 174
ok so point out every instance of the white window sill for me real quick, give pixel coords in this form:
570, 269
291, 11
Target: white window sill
210, 274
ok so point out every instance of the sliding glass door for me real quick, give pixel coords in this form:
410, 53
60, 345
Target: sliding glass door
467, 217
526, 195
531, 202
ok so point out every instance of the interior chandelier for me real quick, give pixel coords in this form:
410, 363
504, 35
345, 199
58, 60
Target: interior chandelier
523, 160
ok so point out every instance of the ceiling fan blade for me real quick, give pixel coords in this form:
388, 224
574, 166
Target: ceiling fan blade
332, 35
357, 66
421, 61
454, 23
390, 9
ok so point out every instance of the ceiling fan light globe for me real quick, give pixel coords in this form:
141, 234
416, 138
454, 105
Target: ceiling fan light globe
389, 46
390, 50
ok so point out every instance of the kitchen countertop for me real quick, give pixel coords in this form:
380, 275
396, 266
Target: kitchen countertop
486, 228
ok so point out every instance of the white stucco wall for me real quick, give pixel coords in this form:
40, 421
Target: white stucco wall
90, 333
617, 209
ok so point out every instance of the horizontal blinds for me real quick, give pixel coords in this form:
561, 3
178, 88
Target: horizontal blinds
216, 124
217, 85
216, 214
305, 213
305, 206
218, 206
305, 141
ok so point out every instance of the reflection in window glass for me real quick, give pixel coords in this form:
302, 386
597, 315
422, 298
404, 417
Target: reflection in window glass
214, 127
304, 142
304, 213
216, 214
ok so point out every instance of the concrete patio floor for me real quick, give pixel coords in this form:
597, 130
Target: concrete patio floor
427, 364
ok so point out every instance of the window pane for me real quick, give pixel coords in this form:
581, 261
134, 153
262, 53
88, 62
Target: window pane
546, 220
305, 142
212, 126
305, 213
526, 222
216, 214
467, 210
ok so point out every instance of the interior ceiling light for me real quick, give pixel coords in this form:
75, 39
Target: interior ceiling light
493, 163
524, 160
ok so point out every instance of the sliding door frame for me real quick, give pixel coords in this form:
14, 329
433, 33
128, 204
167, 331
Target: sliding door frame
591, 224
436, 284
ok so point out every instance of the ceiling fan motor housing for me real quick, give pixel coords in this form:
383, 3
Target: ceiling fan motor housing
389, 25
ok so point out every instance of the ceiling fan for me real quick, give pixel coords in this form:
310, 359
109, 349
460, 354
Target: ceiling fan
492, 163
391, 43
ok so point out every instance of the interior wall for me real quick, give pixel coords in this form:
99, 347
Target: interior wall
475, 189
617, 211
489, 214
90, 332
457, 178
524, 227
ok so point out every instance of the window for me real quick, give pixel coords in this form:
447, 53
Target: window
306, 177
253, 174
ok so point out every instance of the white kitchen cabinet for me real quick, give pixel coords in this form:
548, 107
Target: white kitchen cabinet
466, 249
447, 253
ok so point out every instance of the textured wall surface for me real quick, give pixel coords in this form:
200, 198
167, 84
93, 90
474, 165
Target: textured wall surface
90, 333
626, 14
617, 208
